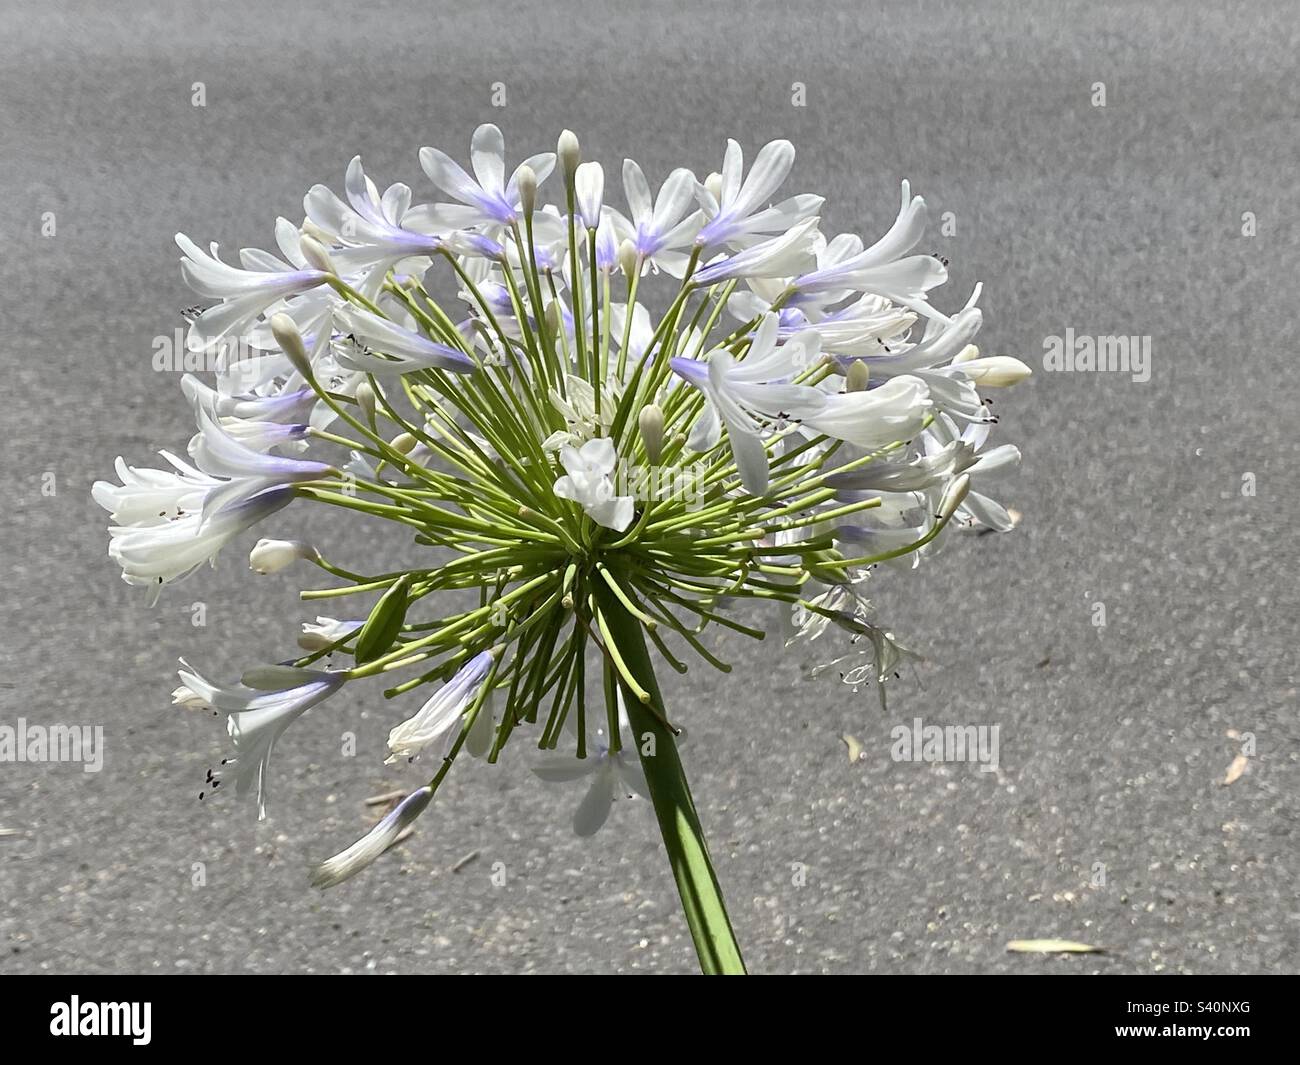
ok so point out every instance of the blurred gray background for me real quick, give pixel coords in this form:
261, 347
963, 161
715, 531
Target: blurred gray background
1126, 219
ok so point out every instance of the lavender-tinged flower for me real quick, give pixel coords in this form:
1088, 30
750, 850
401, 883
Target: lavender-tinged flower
882, 264
245, 292
156, 554
437, 716
781, 256
290, 407
406, 350
377, 232
495, 201
749, 394
740, 212
261, 707
660, 230
219, 454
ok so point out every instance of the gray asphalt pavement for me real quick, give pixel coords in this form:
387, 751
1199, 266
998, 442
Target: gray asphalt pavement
1107, 821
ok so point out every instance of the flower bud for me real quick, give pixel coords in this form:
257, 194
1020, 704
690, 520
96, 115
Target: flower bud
627, 259
271, 556
713, 184
366, 401
589, 186
996, 371
953, 496
526, 182
970, 351
404, 442
285, 331
651, 421
316, 254
369, 847
554, 318
311, 229
858, 375
570, 153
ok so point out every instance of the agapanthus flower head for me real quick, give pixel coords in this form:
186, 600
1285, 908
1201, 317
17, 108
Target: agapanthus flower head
644, 416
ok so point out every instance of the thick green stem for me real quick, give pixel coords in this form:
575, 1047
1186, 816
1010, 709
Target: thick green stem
697, 883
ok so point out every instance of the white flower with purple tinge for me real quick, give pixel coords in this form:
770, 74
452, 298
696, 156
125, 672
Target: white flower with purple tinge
266, 702
491, 199
442, 711
596, 420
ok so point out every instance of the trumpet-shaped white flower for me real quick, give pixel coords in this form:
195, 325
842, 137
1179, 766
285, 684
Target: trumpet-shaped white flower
245, 292
155, 554
442, 712
266, 702
780, 256
895, 411
152, 497
748, 395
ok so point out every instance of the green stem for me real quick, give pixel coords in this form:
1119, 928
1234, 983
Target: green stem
679, 823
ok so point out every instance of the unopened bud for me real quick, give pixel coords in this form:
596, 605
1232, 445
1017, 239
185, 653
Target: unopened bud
316, 254
570, 153
713, 184
366, 401
651, 421
858, 375
953, 496
589, 191
271, 556
554, 317
403, 442
996, 371
526, 182
627, 259
970, 351
285, 331
314, 231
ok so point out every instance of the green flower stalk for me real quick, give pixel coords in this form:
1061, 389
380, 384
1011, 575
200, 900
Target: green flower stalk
626, 430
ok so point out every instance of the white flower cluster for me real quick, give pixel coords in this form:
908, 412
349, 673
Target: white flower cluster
836, 414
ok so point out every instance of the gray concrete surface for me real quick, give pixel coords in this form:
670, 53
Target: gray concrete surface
1124, 220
